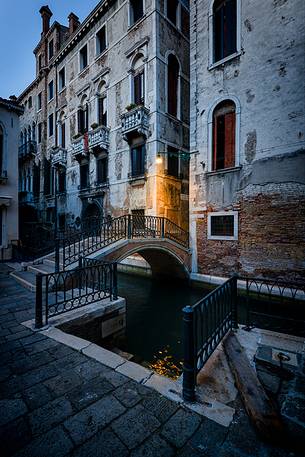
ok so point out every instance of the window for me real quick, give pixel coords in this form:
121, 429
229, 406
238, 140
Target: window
39, 132
185, 22
39, 101
138, 88
61, 79
138, 161
136, 11
51, 49
173, 162
172, 85
50, 90
47, 175
224, 135
39, 62
1, 150
84, 175
33, 131
224, 28
223, 225
51, 125
61, 221
82, 120
62, 134
101, 170
83, 58
30, 102
102, 111
36, 180
172, 10
62, 180
101, 40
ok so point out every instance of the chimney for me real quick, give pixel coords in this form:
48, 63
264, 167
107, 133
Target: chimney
46, 14
73, 23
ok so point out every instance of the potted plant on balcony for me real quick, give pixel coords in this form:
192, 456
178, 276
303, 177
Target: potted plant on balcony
76, 136
94, 125
131, 106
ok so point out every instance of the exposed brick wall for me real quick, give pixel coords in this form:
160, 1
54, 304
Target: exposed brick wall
271, 239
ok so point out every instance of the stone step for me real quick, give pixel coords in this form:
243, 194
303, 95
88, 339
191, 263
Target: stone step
26, 279
42, 268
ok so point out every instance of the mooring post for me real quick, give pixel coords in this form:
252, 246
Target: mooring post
38, 304
189, 363
234, 302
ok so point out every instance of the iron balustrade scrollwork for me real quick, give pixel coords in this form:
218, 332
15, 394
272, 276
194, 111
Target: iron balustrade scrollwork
58, 293
205, 324
97, 234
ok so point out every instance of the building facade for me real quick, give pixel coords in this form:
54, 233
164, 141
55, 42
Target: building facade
106, 124
247, 180
9, 133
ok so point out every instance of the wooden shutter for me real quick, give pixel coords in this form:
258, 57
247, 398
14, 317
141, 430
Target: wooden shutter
229, 153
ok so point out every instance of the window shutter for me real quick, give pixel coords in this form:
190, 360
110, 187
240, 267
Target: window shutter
229, 156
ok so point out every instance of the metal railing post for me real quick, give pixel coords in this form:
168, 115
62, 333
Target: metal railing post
38, 304
234, 302
115, 281
129, 226
56, 254
189, 363
162, 228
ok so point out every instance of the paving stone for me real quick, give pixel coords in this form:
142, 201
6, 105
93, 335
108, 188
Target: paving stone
128, 394
60, 350
10, 346
116, 379
135, 426
40, 346
160, 407
49, 415
88, 393
154, 446
89, 369
34, 338
4, 332
294, 408
37, 396
39, 375
89, 421
19, 335
208, 437
55, 443
104, 444
180, 427
70, 361
14, 436
5, 372
12, 409
63, 383
28, 363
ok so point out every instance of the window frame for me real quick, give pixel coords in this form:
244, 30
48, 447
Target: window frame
51, 116
142, 171
60, 86
178, 111
50, 84
80, 58
39, 101
223, 213
131, 24
99, 53
213, 64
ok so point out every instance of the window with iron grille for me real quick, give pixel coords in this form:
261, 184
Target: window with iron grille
101, 170
224, 26
136, 11
223, 225
84, 175
138, 160
101, 40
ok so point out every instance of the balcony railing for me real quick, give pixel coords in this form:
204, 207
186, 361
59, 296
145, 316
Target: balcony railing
99, 137
28, 149
59, 157
80, 147
26, 197
135, 121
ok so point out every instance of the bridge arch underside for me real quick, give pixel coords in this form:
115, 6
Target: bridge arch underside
164, 262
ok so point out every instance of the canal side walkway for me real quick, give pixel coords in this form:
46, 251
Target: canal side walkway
55, 401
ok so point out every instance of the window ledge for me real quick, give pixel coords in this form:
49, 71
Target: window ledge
223, 171
137, 22
222, 238
83, 70
101, 54
136, 180
62, 90
223, 61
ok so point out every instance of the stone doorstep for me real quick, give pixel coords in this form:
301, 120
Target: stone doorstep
216, 411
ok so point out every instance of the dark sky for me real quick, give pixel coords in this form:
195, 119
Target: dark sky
20, 28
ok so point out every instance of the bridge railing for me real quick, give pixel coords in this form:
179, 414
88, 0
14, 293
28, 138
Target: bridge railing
93, 237
58, 293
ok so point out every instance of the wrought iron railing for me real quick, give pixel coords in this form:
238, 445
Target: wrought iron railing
37, 239
28, 148
205, 324
90, 239
58, 293
273, 304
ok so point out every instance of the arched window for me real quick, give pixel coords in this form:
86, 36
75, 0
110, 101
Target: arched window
34, 131
224, 142
62, 130
83, 116
173, 89
1, 150
224, 27
138, 87
102, 105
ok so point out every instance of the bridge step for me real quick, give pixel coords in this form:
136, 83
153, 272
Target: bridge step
42, 268
26, 279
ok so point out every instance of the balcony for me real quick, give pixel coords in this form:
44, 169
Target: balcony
27, 150
26, 198
135, 122
59, 157
97, 189
80, 147
99, 139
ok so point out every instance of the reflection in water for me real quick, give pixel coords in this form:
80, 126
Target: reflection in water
154, 321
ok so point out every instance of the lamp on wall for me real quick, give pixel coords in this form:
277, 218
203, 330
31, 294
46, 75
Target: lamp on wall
159, 158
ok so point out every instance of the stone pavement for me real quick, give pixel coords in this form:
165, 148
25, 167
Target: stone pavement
56, 402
